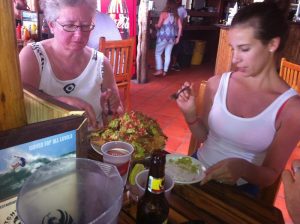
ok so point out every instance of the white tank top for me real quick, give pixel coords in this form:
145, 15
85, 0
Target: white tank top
232, 136
87, 86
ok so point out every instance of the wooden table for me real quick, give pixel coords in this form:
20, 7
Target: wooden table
212, 203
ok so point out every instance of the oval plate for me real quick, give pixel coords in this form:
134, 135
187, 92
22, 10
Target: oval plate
184, 169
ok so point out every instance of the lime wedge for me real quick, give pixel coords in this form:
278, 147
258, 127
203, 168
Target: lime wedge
136, 169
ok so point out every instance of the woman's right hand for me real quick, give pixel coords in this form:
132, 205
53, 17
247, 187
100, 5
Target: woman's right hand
186, 101
83, 105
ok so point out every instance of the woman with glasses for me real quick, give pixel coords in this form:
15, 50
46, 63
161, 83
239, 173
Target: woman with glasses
65, 68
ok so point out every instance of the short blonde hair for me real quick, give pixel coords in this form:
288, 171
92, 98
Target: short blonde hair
51, 8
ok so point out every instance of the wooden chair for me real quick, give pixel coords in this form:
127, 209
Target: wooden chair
194, 143
267, 194
120, 55
290, 73
42, 107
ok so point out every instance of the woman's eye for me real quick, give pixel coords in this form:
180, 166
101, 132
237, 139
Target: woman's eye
70, 26
245, 49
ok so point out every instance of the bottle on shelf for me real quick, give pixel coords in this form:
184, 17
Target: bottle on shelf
153, 207
19, 31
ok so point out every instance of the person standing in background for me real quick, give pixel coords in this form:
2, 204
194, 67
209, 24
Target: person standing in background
178, 48
169, 30
291, 183
104, 27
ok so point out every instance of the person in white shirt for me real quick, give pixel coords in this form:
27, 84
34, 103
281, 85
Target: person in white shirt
250, 123
104, 27
65, 68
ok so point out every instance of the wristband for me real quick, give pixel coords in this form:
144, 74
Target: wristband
193, 122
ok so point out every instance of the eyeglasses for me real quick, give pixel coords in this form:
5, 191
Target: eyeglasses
73, 27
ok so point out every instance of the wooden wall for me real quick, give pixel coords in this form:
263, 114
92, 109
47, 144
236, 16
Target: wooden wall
292, 48
224, 55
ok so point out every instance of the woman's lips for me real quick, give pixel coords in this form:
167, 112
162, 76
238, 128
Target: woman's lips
241, 69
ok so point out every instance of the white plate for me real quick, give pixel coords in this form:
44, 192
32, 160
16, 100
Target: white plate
182, 174
96, 148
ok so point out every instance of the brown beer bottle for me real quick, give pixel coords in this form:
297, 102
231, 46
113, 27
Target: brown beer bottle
153, 207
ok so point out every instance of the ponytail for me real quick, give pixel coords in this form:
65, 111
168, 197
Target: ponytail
268, 18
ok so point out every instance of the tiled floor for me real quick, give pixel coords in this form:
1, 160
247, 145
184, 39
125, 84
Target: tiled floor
153, 98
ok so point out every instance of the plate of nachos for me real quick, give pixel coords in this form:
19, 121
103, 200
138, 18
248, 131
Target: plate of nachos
136, 128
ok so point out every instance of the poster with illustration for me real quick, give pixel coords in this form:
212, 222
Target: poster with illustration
17, 163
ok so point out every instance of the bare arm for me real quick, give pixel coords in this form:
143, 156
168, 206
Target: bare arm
30, 72
198, 123
161, 19
292, 190
179, 24
109, 83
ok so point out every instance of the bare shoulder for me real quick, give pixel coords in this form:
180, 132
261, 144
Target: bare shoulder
213, 83
293, 105
26, 52
291, 111
29, 66
106, 62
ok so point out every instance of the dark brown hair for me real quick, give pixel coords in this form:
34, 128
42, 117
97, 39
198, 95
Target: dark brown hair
171, 7
268, 18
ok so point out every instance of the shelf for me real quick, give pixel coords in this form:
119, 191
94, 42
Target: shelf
203, 14
189, 27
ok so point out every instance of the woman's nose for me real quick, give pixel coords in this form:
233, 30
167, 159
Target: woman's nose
235, 57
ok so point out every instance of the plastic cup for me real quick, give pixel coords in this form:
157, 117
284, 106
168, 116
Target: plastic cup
141, 181
118, 153
71, 191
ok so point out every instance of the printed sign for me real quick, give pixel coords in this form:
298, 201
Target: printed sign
17, 163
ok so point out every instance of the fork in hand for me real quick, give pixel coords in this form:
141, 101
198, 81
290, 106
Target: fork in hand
176, 95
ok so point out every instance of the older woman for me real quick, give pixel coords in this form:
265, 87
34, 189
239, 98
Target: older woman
250, 124
64, 67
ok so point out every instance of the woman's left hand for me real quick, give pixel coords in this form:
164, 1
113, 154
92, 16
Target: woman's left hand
227, 171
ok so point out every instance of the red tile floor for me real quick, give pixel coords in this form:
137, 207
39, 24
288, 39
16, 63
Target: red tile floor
153, 99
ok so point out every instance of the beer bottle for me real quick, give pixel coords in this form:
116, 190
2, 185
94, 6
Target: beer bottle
153, 207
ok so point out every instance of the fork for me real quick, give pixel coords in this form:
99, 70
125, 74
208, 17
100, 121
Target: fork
176, 95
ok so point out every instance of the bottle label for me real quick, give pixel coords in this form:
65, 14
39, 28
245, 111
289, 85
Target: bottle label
156, 185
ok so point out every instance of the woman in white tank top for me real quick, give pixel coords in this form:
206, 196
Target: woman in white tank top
65, 68
250, 122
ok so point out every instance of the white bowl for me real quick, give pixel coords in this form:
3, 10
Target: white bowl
141, 181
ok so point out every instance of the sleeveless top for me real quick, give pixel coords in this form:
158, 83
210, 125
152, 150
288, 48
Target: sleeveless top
168, 30
87, 86
232, 136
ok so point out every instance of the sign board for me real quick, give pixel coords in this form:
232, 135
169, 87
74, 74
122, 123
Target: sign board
17, 163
